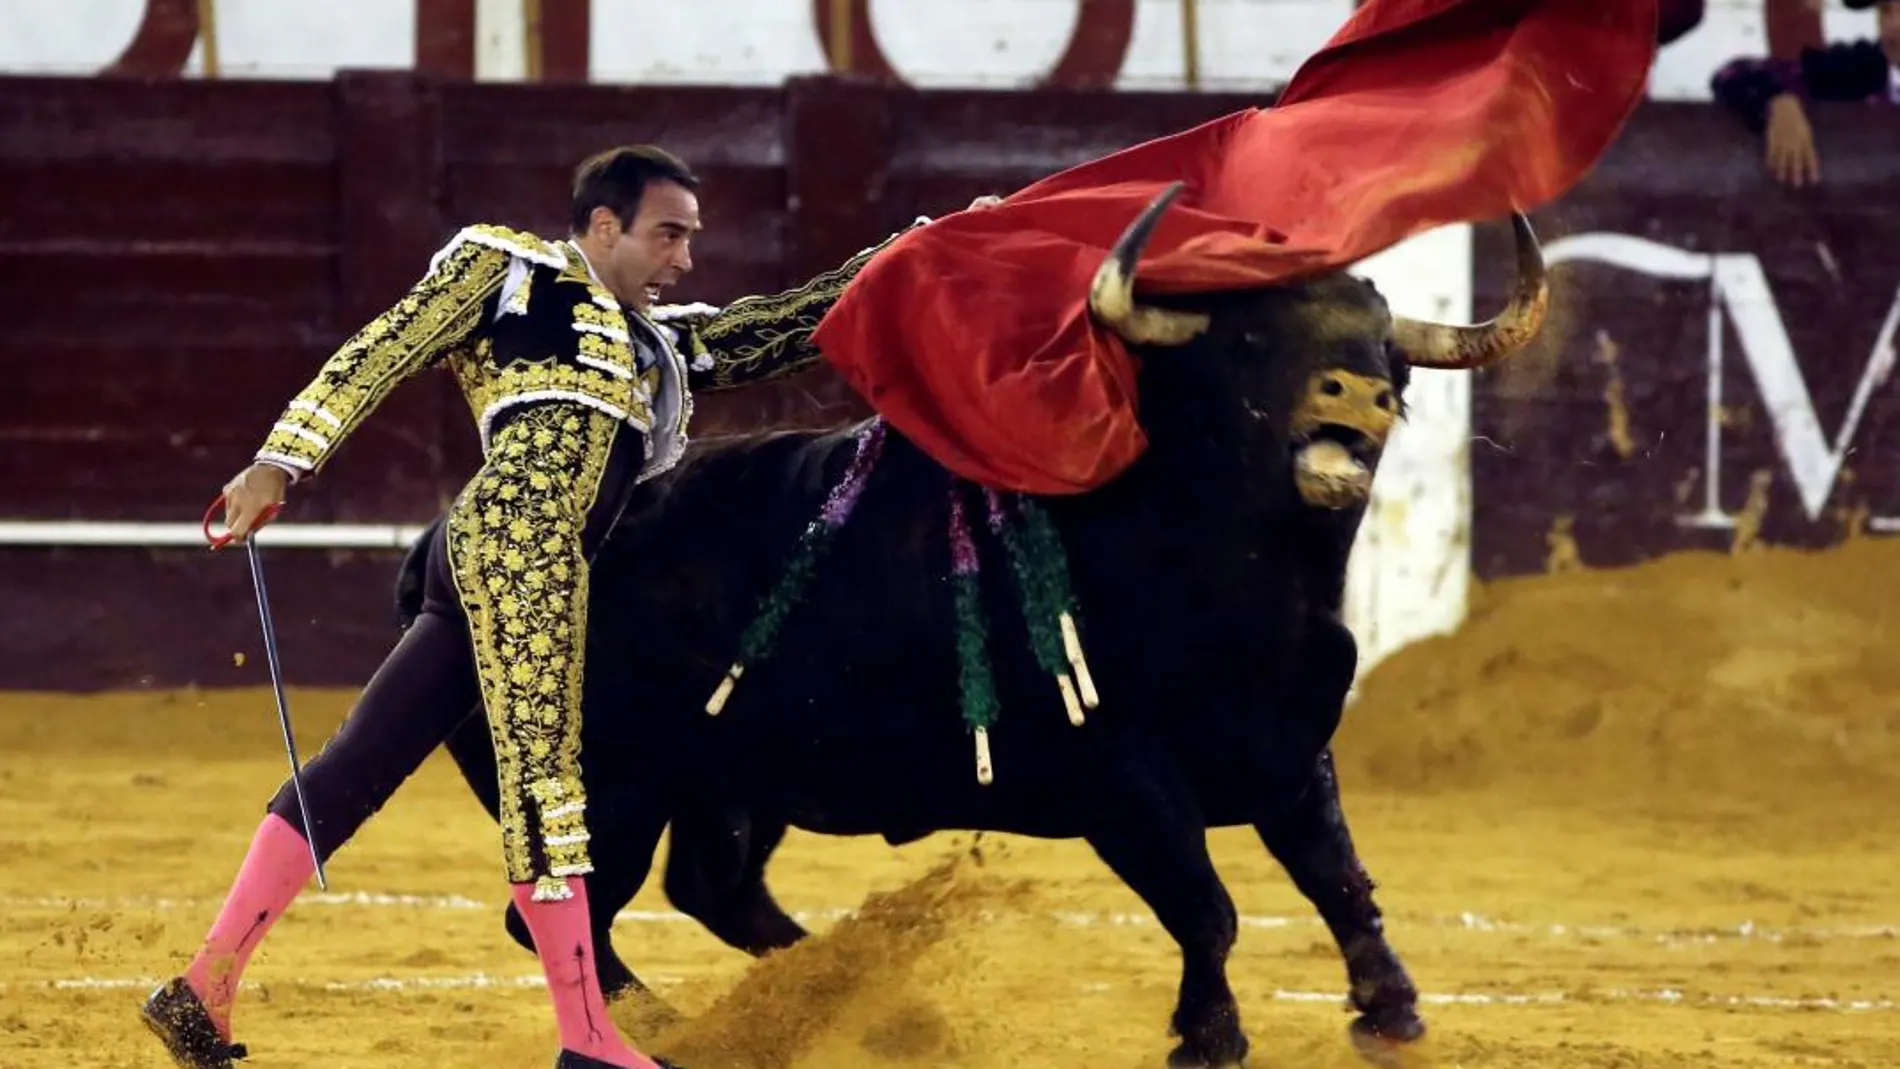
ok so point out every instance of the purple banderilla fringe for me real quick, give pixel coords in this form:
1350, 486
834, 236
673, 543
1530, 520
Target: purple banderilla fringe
756, 642
844, 496
962, 549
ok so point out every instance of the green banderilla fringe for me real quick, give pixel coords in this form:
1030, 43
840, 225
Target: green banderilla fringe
1039, 583
978, 686
759, 637
1049, 606
1046, 543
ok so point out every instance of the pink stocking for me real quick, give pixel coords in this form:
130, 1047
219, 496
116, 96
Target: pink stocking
274, 870
565, 941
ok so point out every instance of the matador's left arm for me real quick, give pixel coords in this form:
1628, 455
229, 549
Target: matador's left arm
762, 337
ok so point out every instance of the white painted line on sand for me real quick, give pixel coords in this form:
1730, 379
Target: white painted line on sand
479, 981
1747, 931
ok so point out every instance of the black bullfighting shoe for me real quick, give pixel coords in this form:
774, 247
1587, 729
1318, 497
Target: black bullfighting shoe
571, 1060
175, 1015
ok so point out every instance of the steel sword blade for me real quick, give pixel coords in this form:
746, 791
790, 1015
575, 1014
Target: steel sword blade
283, 705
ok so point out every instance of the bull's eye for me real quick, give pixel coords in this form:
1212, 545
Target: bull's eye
1333, 387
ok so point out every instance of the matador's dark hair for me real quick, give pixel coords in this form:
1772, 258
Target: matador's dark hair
617, 178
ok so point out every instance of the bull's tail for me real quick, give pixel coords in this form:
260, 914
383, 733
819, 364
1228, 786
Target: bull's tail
410, 576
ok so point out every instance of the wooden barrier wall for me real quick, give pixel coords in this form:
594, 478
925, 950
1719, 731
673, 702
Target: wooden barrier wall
180, 255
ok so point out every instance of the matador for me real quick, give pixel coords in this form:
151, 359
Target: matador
581, 389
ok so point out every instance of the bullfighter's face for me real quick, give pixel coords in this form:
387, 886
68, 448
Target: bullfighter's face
653, 250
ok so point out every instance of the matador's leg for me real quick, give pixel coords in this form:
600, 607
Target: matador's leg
424, 686
517, 546
517, 553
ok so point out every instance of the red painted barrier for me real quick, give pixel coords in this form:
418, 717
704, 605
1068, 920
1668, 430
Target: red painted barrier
178, 256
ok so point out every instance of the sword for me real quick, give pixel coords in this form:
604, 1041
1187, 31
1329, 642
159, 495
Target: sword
276, 669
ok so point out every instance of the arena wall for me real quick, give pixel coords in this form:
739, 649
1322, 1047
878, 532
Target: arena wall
1716, 371
184, 252
1238, 45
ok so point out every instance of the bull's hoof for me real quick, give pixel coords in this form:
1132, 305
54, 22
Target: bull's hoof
1406, 1027
1223, 1055
1386, 1040
1387, 1002
180, 1021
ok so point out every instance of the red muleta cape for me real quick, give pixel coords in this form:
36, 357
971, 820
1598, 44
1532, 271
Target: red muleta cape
972, 337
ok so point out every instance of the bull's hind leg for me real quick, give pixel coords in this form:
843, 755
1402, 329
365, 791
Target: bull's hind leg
624, 844
1156, 841
715, 874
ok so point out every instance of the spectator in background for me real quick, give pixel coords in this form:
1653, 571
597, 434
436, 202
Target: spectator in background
1768, 93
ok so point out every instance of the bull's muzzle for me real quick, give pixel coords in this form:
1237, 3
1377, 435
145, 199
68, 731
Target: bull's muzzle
1340, 425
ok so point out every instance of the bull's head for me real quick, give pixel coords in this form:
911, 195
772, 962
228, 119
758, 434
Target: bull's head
1318, 368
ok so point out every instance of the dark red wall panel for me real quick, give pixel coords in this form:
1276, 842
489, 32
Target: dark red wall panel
177, 257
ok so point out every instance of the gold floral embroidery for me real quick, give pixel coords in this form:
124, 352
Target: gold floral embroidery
437, 315
514, 543
592, 318
530, 247
491, 390
599, 351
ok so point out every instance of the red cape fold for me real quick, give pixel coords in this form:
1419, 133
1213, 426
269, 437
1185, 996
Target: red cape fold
971, 335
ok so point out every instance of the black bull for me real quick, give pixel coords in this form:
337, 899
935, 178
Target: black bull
1209, 578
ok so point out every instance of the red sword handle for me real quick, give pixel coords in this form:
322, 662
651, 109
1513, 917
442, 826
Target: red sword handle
219, 541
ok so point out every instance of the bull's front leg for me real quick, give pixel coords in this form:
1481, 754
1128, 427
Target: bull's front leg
1315, 847
1152, 834
1312, 842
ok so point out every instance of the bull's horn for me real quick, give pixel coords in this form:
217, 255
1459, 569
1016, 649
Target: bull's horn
1441, 345
1112, 293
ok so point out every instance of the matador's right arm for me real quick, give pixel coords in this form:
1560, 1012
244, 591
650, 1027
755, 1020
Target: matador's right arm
437, 314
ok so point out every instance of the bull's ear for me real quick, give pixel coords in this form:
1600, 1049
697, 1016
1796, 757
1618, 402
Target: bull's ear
1112, 293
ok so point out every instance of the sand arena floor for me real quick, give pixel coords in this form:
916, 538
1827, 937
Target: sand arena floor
1639, 818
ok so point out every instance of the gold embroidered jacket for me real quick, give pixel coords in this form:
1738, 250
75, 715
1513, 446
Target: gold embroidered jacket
519, 319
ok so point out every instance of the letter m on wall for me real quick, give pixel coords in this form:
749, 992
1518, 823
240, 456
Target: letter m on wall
1738, 289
